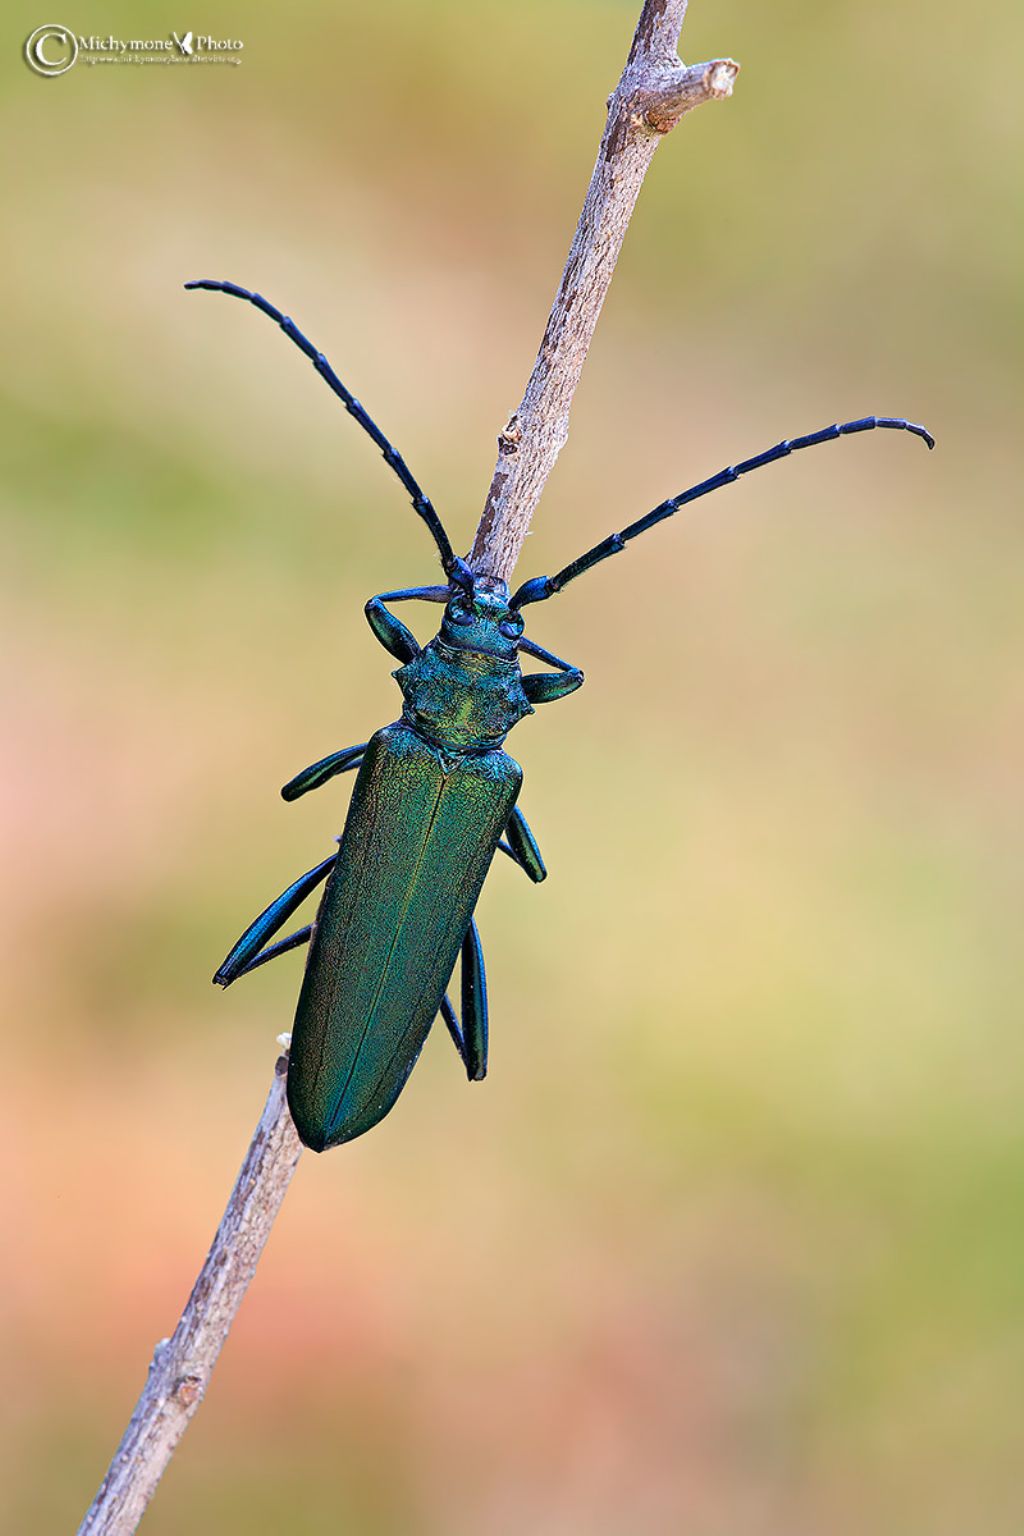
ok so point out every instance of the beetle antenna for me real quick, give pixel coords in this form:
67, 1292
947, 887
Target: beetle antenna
541, 587
455, 568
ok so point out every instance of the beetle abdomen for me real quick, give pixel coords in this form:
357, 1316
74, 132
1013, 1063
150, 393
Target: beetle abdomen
417, 845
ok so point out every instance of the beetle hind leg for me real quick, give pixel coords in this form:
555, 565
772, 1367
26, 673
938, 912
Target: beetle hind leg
250, 949
470, 1037
293, 941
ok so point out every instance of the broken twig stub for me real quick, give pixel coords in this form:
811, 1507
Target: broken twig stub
655, 91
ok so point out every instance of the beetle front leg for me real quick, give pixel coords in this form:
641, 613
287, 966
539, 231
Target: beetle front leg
391, 632
545, 687
471, 1038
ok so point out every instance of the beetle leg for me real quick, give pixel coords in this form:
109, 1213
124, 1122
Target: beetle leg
391, 632
269, 921
545, 687
474, 1005
451, 1019
471, 1039
522, 847
318, 773
293, 941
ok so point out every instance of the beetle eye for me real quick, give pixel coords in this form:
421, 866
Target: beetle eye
510, 630
460, 616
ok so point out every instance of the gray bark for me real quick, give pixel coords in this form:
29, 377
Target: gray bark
182, 1365
655, 91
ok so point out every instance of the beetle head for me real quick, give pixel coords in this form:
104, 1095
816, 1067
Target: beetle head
479, 618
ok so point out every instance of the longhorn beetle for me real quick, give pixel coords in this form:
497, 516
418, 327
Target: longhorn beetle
434, 798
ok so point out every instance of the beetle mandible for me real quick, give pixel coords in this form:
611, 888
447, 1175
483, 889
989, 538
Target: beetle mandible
434, 799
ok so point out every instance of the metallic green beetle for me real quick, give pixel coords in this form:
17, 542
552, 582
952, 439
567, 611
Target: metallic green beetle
434, 799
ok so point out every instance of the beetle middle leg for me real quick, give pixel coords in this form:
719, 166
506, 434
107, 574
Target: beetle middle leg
246, 951
521, 846
470, 1038
318, 773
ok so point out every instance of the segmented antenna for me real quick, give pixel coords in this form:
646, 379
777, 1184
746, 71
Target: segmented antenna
541, 587
455, 568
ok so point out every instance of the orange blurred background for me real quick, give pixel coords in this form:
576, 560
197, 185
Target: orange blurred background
729, 1242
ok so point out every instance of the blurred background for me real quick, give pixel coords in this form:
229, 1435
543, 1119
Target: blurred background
730, 1241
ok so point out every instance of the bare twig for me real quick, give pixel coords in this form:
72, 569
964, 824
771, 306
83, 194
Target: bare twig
653, 94
681, 89
182, 1365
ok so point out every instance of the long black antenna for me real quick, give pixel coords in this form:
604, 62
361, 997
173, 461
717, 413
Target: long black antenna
455, 568
541, 587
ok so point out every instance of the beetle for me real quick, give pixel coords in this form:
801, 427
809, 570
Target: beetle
435, 797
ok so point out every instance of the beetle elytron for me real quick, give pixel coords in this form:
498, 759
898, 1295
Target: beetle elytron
434, 798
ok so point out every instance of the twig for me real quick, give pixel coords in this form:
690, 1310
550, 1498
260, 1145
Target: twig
182, 1365
653, 94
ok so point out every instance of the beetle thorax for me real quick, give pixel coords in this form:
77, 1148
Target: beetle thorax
462, 699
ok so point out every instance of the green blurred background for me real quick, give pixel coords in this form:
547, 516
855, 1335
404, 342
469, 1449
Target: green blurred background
730, 1242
